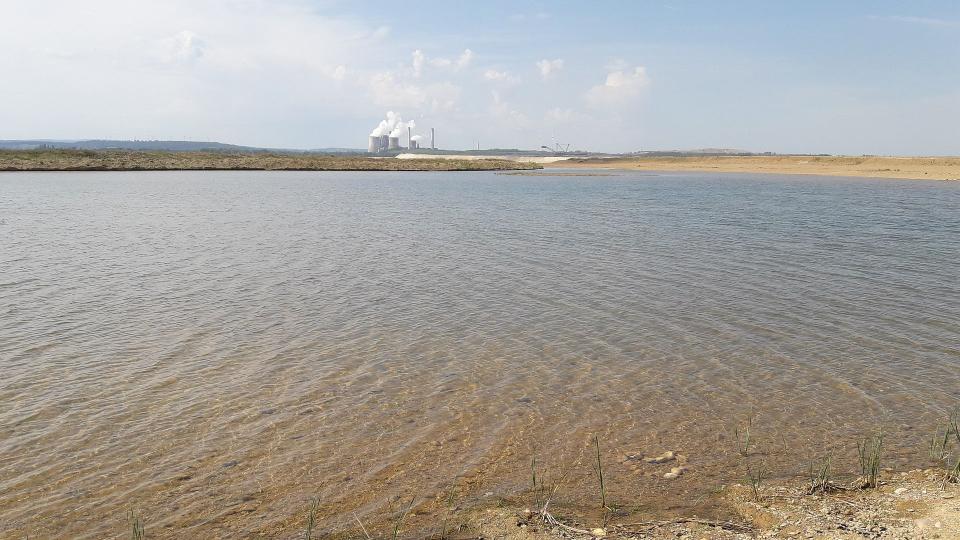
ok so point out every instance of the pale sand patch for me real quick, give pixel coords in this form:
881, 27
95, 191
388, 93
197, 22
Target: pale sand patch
917, 168
525, 159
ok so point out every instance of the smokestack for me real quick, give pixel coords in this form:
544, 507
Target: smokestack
433, 143
409, 137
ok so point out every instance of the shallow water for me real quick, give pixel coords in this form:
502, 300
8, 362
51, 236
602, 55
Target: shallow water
213, 349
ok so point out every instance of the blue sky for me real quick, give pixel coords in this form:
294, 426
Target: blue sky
835, 77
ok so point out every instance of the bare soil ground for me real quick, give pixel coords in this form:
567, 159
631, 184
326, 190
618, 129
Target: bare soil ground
919, 168
83, 160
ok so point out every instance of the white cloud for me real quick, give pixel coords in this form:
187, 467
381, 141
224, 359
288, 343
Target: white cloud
507, 115
549, 67
418, 60
464, 59
456, 64
521, 17
184, 68
617, 64
560, 115
443, 97
418, 88
184, 46
388, 91
381, 33
502, 78
621, 88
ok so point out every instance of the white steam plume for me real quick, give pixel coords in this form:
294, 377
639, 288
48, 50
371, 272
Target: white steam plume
386, 126
393, 126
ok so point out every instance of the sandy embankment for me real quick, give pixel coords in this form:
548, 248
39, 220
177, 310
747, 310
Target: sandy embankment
522, 159
918, 168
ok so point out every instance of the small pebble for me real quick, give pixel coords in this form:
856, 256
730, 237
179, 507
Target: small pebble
662, 458
675, 472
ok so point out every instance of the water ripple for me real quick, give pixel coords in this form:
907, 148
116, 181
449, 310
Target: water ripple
199, 343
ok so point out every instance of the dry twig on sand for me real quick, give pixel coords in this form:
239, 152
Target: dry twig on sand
549, 519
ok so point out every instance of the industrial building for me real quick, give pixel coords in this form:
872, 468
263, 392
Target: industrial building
389, 143
386, 136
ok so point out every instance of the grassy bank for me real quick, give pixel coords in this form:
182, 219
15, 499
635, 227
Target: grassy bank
121, 160
916, 168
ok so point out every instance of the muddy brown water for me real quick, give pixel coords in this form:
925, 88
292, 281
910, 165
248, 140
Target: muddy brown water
215, 349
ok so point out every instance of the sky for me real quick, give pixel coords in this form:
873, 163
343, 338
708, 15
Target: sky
851, 77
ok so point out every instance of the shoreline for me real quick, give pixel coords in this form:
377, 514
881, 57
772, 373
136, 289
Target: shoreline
903, 168
915, 504
900, 168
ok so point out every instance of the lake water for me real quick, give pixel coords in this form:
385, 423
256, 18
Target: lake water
214, 349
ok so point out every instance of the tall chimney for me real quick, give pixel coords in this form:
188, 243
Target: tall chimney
409, 137
433, 144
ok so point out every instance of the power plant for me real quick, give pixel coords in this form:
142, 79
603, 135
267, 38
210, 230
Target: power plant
378, 143
386, 136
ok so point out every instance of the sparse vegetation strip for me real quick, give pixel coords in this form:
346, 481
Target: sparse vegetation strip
115, 160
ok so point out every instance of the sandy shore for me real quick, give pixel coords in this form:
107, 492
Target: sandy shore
909, 505
918, 168
76, 160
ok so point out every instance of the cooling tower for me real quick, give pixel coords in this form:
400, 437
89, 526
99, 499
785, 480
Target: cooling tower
393, 143
374, 145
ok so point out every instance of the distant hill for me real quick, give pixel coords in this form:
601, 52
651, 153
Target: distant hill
171, 146
98, 144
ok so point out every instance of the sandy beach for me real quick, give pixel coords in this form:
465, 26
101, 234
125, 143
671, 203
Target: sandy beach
917, 168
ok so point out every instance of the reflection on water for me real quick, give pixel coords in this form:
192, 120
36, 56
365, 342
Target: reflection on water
214, 349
